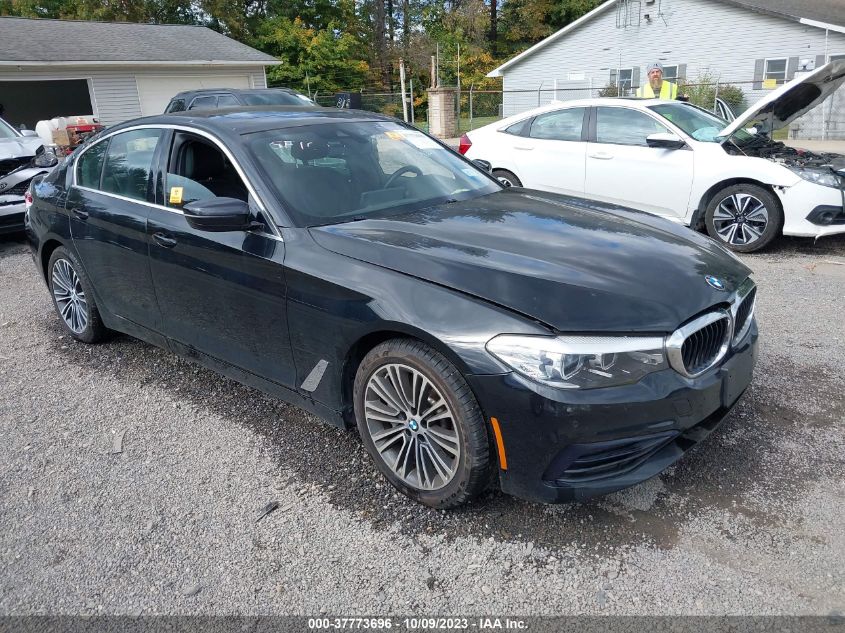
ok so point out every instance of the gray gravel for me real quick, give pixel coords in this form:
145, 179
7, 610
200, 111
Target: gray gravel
750, 522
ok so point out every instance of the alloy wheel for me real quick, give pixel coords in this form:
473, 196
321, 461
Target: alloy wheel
505, 181
412, 426
69, 296
740, 219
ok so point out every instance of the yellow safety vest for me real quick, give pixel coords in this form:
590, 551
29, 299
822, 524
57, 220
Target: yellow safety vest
667, 91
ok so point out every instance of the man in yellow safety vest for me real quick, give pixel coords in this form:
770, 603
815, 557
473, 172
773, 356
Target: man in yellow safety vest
656, 87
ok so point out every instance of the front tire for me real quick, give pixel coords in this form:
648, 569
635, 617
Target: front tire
744, 217
507, 178
73, 299
421, 424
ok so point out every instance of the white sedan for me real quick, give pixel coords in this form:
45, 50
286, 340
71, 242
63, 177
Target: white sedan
680, 162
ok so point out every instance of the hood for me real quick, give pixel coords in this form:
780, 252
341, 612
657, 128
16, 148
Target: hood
572, 264
791, 100
19, 147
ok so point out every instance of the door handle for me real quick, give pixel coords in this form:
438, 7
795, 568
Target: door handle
162, 240
523, 147
80, 213
601, 155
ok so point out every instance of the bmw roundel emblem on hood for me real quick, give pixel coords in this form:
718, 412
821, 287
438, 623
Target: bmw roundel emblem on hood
715, 282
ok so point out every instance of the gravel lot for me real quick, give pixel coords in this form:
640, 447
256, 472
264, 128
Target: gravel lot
750, 522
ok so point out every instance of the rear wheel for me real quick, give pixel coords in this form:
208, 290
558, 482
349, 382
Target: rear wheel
744, 217
421, 424
507, 178
72, 297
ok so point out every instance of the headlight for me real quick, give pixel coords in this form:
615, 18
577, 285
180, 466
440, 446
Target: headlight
818, 176
580, 362
47, 158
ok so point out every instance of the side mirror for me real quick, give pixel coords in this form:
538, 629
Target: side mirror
25, 132
665, 140
483, 164
218, 214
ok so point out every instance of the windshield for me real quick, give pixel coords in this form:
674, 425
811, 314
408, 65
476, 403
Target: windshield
699, 124
275, 97
7, 131
338, 172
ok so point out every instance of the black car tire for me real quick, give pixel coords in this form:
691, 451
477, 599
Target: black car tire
473, 471
770, 203
94, 330
508, 179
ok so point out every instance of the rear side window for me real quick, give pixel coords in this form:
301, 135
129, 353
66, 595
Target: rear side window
562, 125
624, 126
129, 162
90, 166
203, 102
226, 101
519, 129
177, 105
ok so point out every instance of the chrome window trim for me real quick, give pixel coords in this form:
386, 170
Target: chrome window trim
675, 341
739, 295
181, 128
277, 238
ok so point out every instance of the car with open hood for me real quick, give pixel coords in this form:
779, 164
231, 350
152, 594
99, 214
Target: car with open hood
348, 263
22, 157
680, 162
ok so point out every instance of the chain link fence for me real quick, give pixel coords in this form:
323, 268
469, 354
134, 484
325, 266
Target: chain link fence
476, 108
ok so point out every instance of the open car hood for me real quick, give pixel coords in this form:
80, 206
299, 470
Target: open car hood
791, 100
19, 147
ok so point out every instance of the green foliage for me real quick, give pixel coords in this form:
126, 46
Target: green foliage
702, 92
610, 90
324, 60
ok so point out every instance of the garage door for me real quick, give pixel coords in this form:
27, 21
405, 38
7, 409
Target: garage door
28, 102
156, 92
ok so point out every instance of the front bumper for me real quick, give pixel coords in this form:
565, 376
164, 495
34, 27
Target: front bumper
568, 446
12, 211
799, 203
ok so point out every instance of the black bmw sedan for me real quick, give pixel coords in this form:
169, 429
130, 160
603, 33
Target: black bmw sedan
354, 266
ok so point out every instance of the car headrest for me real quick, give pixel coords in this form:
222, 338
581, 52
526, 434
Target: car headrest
309, 150
203, 162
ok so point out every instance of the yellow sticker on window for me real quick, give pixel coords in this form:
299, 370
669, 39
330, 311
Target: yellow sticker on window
770, 84
396, 136
176, 195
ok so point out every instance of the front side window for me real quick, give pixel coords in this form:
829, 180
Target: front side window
275, 97
204, 103
341, 172
227, 101
562, 125
90, 166
199, 170
624, 126
776, 69
128, 163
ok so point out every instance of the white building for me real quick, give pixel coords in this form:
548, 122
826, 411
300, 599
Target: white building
114, 70
753, 44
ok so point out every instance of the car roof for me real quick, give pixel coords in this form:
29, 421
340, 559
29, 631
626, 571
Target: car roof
248, 119
205, 91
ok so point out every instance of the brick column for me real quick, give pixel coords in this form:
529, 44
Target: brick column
441, 112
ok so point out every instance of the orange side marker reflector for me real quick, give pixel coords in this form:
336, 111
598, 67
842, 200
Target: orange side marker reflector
503, 460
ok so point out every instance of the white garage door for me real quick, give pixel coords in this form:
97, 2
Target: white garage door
156, 92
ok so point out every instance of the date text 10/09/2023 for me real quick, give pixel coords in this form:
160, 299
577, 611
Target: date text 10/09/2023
418, 623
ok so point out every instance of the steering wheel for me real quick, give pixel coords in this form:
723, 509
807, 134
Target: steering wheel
402, 170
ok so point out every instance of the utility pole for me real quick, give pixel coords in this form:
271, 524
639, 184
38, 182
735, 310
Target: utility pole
412, 99
308, 83
402, 81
